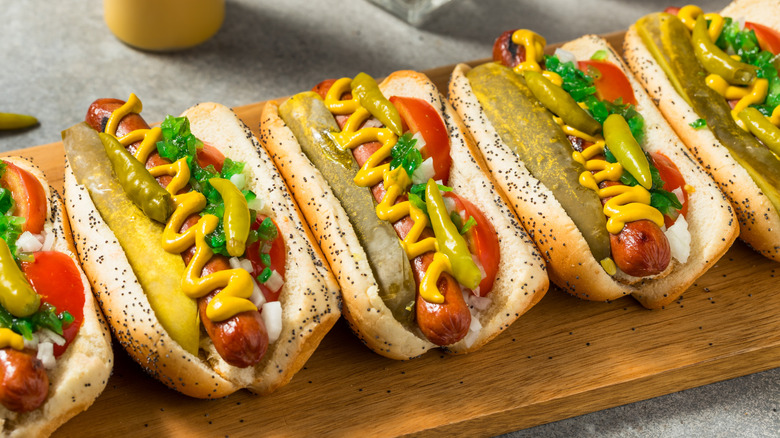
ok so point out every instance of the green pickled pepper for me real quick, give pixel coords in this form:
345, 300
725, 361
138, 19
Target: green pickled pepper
136, 181
560, 102
16, 294
450, 242
236, 217
623, 145
372, 99
716, 60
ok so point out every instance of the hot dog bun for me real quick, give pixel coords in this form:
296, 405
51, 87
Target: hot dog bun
309, 297
571, 263
83, 369
521, 280
759, 220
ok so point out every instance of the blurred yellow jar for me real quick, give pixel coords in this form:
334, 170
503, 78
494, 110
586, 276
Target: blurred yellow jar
163, 25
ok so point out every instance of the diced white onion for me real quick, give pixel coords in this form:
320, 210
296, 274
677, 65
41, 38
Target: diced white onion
256, 204
46, 355
449, 204
272, 317
266, 248
274, 282
47, 335
740, 22
474, 328
247, 265
679, 193
32, 344
239, 180
423, 173
565, 56
27, 242
372, 123
234, 262
479, 303
420, 141
48, 241
679, 239
257, 298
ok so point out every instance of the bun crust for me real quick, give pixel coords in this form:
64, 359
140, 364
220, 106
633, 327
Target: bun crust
521, 280
309, 297
572, 266
83, 370
759, 220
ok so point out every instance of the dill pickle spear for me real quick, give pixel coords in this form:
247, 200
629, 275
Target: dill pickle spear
311, 123
526, 126
668, 40
159, 272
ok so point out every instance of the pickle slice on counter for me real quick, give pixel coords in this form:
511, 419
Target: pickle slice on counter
159, 272
669, 42
526, 126
311, 123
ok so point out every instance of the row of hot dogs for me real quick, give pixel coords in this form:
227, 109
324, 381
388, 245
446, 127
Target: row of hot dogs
220, 260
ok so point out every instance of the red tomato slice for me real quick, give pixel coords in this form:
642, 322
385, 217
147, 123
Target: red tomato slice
673, 180
420, 116
210, 155
323, 87
29, 197
278, 255
482, 239
55, 277
768, 38
611, 82
674, 10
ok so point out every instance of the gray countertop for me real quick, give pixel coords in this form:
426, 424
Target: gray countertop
57, 57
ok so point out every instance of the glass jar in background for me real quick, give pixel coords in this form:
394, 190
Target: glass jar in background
414, 12
164, 25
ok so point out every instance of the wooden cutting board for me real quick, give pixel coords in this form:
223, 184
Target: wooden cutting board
565, 357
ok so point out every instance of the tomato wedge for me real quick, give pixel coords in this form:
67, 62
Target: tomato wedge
55, 277
673, 180
323, 87
482, 240
419, 116
768, 38
278, 256
210, 155
610, 81
29, 197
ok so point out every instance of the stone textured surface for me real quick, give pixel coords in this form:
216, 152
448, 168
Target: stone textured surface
57, 57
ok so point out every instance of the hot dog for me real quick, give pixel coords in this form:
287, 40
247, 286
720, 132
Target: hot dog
211, 247
55, 348
426, 250
603, 185
723, 108
240, 340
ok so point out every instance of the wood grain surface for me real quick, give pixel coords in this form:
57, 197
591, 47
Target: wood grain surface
563, 358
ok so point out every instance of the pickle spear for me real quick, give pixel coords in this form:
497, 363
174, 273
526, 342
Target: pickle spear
311, 123
668, 40
158, 271
526, 126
